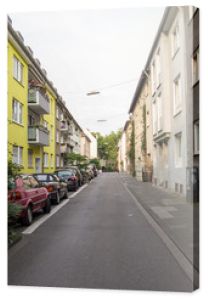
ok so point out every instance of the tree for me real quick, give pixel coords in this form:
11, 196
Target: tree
108, 148
75, 159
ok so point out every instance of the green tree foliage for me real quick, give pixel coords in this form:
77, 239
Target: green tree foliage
132, 150
96, 162
108, 148
13, 208
75, 159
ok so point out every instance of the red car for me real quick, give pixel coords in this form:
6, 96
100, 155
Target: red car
26, 191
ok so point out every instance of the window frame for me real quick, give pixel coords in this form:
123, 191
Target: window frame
30, 158
19, 160
177, 108
18, 71
195, 70
178, 159
175, 45
19, 108
196, 137
45, 160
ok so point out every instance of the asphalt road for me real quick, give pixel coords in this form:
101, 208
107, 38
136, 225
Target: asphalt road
100, 239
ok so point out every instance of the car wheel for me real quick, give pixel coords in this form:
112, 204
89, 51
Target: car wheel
76, 186
58, 199
65, 194
47, 207
27, 220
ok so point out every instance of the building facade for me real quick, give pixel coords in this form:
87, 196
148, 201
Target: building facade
141, 115
40, 127
164, 111
122, 153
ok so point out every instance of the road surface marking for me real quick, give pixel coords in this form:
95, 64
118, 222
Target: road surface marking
42, 220
182, 260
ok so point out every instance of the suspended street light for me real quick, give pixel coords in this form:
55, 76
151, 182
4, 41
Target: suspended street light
92, 93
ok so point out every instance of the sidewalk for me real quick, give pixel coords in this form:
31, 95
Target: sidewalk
177, 217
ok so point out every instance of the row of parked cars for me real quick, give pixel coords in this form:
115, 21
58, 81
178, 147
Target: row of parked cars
38, 191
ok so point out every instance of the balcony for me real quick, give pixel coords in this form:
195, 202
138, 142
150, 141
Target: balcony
65, 149
64, 128
38, 101
38, 136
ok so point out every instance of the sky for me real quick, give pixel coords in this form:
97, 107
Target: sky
84, 50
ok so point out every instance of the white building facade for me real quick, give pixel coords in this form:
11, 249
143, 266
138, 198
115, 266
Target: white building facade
167, 64
122, 153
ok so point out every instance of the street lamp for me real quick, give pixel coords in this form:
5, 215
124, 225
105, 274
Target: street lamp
92, 93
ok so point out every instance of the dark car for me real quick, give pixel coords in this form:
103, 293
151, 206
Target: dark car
93, 169
57, 190
86, 175
26, 192
68, 176
78, 174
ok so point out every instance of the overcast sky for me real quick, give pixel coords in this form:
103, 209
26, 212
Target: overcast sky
84, 50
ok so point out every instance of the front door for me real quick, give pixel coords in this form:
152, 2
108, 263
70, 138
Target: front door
37, 165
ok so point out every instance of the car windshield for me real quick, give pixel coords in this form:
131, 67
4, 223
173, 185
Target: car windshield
65, 173
41, 177
56, 177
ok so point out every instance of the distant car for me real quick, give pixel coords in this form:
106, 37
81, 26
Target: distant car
86, 175
78, 174
94, 169
57, 190
90, 172
26, 192
68, 176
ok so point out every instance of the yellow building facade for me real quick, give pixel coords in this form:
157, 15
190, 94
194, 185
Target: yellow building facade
31, 112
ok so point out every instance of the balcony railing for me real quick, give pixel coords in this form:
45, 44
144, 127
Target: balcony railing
65, 149
38, 136
38, 101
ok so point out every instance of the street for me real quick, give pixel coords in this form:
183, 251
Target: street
99, 239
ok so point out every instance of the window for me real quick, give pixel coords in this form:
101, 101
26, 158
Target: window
62, 139
57, 136
178, 150
17, 155
51, 134
175, 40
62, 162
196, 137
17, 69
177, 94
45, 124
158, 76
30, 158
154, 118
17, 111
31, 120
57, 160
159, 112
195, 67
45, 159
51, 160
165, 154
153, 77
57, 113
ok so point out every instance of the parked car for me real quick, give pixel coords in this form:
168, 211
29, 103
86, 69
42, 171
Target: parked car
86, 175
77, 173
26, 192
57, 190
68, 176
93, 169
90, 172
